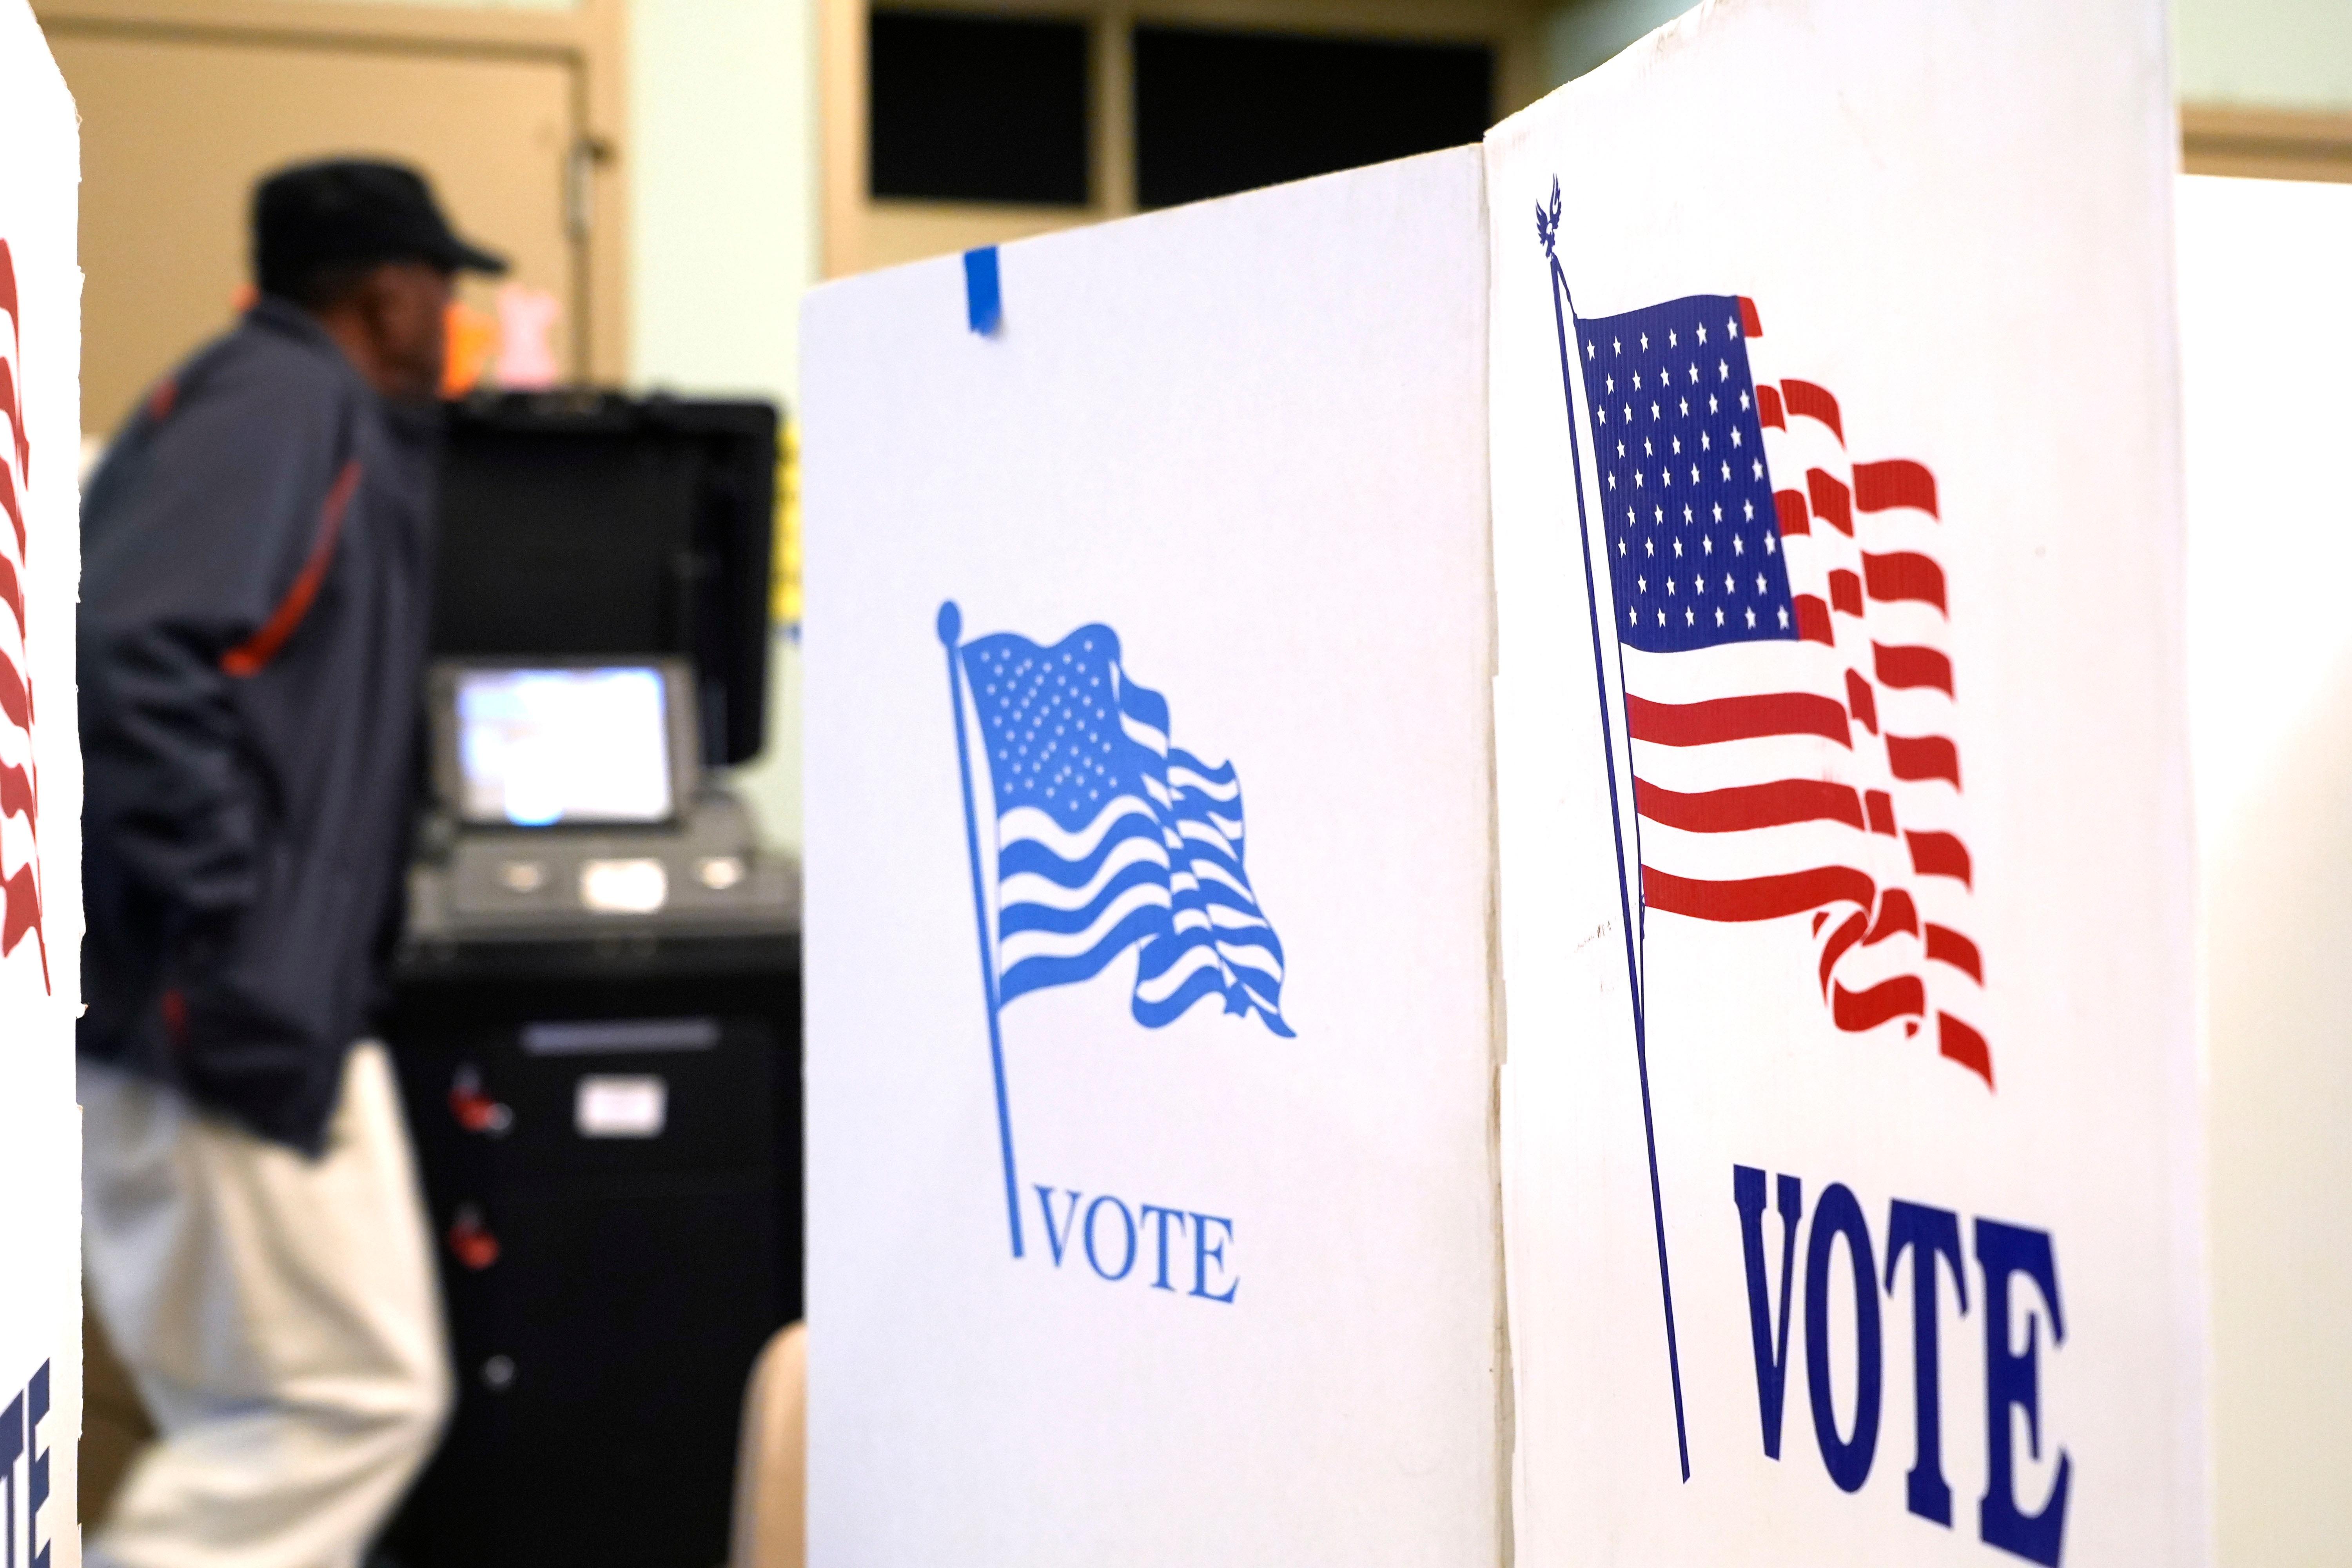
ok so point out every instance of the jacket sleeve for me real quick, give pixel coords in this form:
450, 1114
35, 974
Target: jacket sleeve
191, 532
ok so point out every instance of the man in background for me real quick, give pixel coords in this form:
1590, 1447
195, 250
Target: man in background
257, 556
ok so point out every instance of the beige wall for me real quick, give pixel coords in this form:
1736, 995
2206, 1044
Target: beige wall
2271, 54
723, 242
2266, 54
1582, 35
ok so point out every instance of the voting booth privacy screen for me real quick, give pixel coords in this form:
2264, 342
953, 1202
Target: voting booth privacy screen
1498, 848
1149, 887
2270, 674
1852, 1175
40, 800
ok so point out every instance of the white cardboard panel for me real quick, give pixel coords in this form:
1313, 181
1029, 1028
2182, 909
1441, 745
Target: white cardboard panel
1958, 222
2270, 682
1249, 437
40, 767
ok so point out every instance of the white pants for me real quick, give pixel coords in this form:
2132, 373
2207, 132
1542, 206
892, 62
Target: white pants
279, 1315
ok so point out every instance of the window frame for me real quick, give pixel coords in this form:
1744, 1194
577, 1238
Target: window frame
861, 231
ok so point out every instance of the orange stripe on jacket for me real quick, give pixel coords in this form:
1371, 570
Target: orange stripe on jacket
252, 655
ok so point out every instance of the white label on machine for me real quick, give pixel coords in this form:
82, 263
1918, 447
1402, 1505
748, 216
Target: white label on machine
637, 887
620, 1105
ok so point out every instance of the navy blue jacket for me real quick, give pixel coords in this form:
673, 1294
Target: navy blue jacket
255, 583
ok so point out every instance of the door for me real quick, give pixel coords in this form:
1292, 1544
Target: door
179, 121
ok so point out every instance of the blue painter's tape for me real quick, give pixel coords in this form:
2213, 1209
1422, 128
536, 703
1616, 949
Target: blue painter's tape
984, 298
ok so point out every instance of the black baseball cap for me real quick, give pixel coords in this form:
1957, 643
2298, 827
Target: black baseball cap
350, 212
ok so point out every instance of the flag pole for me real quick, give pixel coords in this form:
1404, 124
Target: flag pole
1547, 228
950, 628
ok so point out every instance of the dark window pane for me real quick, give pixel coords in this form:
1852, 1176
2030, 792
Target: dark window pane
978, 109
1219, 112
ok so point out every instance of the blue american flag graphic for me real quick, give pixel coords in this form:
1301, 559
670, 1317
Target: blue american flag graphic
1109, 838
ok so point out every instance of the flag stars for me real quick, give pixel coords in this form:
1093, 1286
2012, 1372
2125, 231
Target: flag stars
1670, 340
1736, 547
1617, 346
1743, 403
1706, 544
1711, 403
1751, 620
1758, 467
1722, 370
1702, 337
1706, 443
1678, 549
1747, 511
1784, 620
1718, 617
1771, 548
1645, 342
1735, 434
1760, 582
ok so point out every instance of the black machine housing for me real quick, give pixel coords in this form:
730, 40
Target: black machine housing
606, 1292
578, 523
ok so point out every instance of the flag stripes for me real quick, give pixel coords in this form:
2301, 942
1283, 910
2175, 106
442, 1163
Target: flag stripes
20, 883
1109, 838
1781, 614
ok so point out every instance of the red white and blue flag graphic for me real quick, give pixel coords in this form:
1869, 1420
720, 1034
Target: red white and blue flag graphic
20, 891
1780, 619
